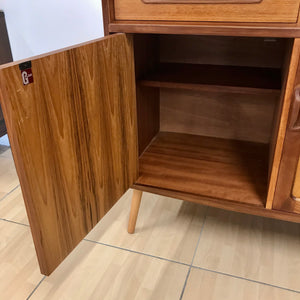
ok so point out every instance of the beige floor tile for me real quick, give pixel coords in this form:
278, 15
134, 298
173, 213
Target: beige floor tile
6, 152
252, 247
211, 286
12, 207
94, 271
19, 271
8, 176
166, 227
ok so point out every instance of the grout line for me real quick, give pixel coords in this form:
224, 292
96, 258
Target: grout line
137, 252
36, 288
10, 221
6, 195
189, 271
3, 198
247, 279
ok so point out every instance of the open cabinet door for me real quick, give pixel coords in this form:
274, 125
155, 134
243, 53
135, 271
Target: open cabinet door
73, 135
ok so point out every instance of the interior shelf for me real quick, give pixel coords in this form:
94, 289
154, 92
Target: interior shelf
210, 77
224, 169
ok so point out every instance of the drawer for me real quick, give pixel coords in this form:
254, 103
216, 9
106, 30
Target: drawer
282, 11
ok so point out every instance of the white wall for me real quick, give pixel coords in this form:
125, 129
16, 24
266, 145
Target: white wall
36, 27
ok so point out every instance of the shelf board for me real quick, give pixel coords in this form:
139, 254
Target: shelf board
214, 78
217, 168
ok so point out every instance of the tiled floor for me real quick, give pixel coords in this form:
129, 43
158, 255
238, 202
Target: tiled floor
179, 251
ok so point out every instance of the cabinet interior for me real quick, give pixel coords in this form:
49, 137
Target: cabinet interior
208, 112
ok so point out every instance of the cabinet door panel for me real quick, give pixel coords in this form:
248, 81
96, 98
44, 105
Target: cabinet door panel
74, 139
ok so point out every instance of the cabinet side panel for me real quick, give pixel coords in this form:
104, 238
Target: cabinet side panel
275, 189
148, 115
296, 187
73, 137
146, 50
284, 199
279, 106
108, 14
287, 188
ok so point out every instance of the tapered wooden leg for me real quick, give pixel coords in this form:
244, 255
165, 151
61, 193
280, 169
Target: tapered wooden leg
134, 210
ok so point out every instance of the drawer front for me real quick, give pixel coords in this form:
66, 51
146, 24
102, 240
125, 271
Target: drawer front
283, 11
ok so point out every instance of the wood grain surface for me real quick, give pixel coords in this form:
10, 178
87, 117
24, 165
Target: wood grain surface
220, 203
134, 210
265, 11
288, 179
214, 77
292, 79
296, 187
284, 199
245, 29
218, 168
146, 57
278, 109
236, 116
74, 139
222, 50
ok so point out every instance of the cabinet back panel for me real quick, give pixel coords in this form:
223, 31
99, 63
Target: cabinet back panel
224, 115
235, 51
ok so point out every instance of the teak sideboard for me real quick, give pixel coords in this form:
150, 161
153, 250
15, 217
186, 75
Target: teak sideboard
193, 99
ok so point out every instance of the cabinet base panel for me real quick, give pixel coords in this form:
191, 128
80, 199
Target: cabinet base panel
222, 204
236, 171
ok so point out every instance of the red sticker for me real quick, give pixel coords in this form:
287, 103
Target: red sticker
27, 76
